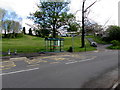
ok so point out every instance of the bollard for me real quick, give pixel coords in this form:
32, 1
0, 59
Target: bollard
15, 52
8, 51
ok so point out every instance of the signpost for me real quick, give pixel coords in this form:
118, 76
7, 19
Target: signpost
72, 42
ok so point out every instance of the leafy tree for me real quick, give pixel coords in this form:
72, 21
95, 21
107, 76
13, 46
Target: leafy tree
2, 14
45, 32
51, 16
113, 33
38, 33
73, 27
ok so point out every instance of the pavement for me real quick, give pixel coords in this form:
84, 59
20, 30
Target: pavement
93, 69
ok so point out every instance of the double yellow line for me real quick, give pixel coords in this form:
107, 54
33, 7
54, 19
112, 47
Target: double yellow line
6, 65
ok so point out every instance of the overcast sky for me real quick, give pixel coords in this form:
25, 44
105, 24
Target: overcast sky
100, 12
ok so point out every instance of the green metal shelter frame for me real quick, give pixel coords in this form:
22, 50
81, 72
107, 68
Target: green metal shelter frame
54, 44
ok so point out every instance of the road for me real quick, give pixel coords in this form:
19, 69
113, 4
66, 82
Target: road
67, 70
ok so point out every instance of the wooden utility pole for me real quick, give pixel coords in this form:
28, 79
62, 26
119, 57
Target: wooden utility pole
83, 21
83, 25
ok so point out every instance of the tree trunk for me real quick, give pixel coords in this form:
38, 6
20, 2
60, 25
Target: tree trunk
54, 29
54, 32
5, 34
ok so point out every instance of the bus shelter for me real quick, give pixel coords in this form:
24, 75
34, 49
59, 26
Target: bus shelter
54, 44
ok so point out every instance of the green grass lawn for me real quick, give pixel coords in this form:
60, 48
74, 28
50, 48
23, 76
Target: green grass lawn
97, 39
28, 44
77, 44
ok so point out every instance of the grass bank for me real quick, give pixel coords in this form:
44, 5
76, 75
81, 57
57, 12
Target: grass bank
28, 44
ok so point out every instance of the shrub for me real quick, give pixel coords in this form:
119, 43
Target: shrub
13, 35
30, 31
24, 30
18, 35
70, 49
106, 39
115, 43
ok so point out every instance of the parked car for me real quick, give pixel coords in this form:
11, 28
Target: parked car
94, 44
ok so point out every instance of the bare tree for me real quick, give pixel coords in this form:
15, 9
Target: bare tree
2, 14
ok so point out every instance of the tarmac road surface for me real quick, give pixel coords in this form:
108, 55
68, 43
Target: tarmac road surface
69, 70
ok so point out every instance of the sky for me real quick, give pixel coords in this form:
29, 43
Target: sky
100, 12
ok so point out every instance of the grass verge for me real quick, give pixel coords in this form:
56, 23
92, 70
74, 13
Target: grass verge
114, 47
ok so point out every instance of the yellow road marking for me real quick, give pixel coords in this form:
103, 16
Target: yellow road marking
34, 61
19, 59
54, 62
4, 69
7, 64
58, 59
44, 57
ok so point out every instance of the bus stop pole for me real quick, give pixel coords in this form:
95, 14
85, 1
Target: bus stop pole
72, 43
